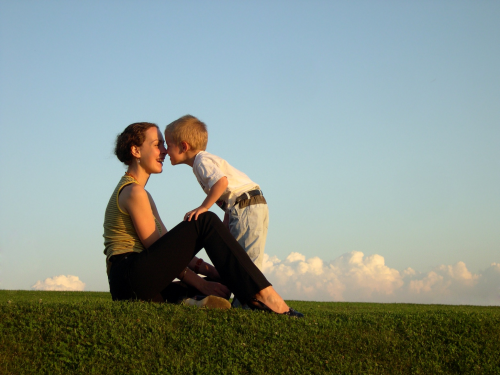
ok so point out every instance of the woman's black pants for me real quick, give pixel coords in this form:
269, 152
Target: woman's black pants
145, 275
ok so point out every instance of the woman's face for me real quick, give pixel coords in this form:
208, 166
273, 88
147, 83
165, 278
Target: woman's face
152, 151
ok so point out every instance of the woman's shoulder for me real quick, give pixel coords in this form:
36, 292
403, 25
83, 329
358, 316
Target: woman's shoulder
133, 191
133, 195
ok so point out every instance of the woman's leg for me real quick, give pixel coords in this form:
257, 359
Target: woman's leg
119, 285
177, 291
155, 268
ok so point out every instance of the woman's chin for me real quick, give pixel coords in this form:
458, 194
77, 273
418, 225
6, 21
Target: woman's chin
157, 170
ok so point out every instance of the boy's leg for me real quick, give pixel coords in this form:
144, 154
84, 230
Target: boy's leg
249, 227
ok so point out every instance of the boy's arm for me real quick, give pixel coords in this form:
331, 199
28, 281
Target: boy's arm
213, 195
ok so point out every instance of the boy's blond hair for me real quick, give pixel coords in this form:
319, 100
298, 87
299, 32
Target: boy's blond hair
190, 130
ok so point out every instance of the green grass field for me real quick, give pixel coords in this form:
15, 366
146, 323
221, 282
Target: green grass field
85, 332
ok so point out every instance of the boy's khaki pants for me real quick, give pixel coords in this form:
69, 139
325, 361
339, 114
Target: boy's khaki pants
249, 226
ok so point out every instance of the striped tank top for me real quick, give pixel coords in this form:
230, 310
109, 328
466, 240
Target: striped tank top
119, 232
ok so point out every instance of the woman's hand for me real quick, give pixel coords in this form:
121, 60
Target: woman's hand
206, 287
211, 288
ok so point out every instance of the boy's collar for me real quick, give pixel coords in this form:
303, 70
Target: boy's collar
192, 159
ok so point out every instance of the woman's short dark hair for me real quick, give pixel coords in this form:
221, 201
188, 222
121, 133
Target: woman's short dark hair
133, 135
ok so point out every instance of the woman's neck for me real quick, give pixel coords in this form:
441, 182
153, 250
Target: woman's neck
139, 174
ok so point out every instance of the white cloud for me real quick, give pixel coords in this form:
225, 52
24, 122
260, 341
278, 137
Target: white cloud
60, 283
356, 277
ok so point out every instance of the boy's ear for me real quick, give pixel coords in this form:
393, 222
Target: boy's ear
136, 153
185, 146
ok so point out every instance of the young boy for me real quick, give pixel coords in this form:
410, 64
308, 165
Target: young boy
246, 213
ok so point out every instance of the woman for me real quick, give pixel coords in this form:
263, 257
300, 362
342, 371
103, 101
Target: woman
143, 258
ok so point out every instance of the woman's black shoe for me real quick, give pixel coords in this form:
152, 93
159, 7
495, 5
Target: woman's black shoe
255, 304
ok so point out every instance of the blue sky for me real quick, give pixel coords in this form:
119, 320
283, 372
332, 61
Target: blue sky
371, 127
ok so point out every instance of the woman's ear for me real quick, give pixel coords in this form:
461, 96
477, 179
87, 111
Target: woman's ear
136, 153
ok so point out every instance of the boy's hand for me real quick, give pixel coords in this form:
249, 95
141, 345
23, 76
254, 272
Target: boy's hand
195, 213
215, 192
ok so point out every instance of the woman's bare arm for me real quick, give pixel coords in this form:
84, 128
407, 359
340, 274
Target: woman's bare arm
206, 287
139, 204
204, 268
134, 200
156, 214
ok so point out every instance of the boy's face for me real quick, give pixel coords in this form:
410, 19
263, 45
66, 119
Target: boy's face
177, 156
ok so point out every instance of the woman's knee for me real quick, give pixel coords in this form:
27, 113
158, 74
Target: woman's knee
209, 221
209, 216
